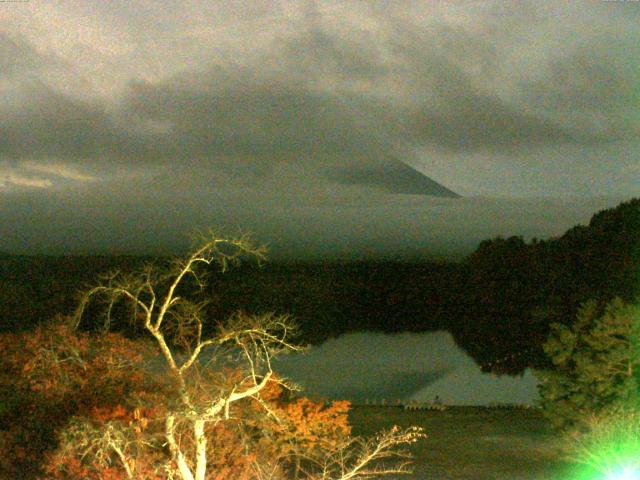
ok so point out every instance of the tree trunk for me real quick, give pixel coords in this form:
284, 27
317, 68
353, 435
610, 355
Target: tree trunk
176, 453
201, 449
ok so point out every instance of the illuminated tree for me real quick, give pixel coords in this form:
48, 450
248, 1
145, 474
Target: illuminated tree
596, 364
209, 391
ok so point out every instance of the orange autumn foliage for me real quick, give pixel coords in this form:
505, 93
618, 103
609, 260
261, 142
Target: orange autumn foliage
294, 426
301, 424
53, 376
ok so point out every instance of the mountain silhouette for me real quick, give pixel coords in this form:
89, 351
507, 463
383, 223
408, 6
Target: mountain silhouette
394, 177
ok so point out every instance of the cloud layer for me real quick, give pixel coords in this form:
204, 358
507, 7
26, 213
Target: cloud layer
301, 101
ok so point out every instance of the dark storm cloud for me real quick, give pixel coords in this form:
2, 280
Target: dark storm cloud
246, 119
593, 88
39, 121
54, 125
477, 121
316, 51
207, 115
464, 111
273, 107
16, 56
243, 111
346, 88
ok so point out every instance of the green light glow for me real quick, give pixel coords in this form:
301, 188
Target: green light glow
626, 473
611, 450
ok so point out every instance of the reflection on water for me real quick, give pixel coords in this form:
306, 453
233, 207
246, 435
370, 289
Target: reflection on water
402, 367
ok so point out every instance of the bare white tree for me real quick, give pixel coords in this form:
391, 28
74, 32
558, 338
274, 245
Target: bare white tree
365, 458
177, 326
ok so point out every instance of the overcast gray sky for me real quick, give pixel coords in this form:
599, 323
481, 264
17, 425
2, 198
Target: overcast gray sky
327, 128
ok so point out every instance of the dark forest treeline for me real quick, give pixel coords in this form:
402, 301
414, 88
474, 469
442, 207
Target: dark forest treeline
35, 288
498, 302
329, 299
514, 290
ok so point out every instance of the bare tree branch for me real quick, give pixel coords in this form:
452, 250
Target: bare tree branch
161, 303
365, 458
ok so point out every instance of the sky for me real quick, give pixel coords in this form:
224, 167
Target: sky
325, 128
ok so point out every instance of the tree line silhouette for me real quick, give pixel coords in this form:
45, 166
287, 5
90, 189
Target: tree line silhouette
498, 302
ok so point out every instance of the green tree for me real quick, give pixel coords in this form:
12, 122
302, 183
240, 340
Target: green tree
596, 364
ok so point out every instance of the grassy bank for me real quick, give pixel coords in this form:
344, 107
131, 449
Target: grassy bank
467, 443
